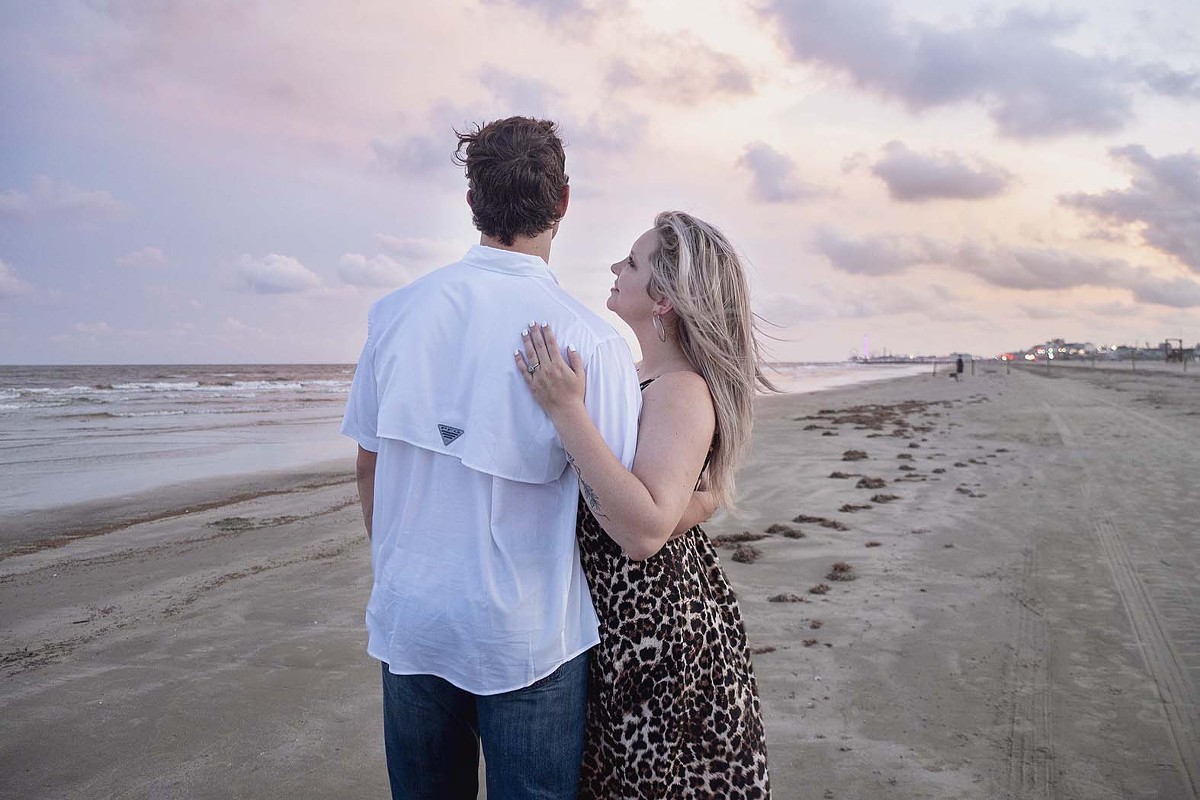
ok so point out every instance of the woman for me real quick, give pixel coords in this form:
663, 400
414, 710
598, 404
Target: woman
673, 708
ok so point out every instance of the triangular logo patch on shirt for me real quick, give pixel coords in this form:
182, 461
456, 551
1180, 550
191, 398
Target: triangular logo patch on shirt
449, 434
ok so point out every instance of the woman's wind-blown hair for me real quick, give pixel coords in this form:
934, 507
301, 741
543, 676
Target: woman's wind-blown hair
698, 270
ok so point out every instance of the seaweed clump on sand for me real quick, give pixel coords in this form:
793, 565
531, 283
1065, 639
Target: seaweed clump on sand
785, 530
822, 521
854, 455
871, 483
841, 571
737, 538
746, 554
786, 597
884, 498
850, 508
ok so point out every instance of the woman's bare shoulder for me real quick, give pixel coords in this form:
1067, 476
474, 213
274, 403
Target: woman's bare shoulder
680, 392
676, 381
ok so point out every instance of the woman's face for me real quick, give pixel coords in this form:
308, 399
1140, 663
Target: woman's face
630, 297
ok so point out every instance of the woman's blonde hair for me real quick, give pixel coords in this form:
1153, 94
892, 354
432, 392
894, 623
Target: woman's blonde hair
697, 269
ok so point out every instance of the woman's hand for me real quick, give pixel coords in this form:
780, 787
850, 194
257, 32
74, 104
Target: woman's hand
557, 384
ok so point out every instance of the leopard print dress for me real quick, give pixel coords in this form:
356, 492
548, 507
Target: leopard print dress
673, 707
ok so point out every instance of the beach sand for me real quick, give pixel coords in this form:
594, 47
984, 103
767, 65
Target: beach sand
1024, 619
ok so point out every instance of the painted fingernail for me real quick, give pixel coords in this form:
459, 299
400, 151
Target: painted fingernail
525, 332
571, 347
516, 352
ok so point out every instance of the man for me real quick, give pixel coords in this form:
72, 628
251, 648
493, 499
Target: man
480, 614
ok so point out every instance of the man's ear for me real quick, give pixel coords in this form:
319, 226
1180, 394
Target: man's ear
470, 201
563, 202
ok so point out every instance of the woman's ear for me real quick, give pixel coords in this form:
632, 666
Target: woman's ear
662, 307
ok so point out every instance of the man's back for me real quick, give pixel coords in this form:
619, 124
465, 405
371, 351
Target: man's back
477, 577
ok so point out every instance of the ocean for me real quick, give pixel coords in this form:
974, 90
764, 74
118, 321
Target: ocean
72, 434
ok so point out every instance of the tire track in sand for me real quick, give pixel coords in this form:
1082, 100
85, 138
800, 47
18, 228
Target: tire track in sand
1175, 689
1031, 766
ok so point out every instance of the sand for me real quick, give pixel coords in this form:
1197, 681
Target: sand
1022, 620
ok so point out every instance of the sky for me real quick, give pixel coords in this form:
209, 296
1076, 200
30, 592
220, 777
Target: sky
235, 181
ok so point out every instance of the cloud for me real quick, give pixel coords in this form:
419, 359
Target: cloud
1042, 312
913, 177
147, 257
616, 133
231, 326
11, 284
1163, 197
426, 251
825, 302
416, 156
685, 72
1019, 268
358, 270
773, 176
872, 255
578, 15
50, 198
1174, 292
1032, 86
521, 95
612, 133
1039, 268
92, 328
275, 274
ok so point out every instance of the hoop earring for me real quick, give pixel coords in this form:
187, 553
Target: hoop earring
659, 328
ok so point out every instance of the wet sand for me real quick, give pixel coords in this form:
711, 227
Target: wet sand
1023, 619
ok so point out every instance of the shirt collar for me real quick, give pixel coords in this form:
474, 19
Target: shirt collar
507, 261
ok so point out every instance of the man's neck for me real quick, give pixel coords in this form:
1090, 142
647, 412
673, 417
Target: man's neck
531, 246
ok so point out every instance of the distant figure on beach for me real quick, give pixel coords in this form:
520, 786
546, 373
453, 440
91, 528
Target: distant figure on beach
673, 708
480, 614
958, 369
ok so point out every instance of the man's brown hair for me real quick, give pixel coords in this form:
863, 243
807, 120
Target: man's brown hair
516, 171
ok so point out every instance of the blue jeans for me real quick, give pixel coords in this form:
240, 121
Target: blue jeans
532, 737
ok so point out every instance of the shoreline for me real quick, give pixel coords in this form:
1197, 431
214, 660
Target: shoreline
26, 532
1020, 622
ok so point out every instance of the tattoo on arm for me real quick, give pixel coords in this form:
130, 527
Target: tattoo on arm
589, 494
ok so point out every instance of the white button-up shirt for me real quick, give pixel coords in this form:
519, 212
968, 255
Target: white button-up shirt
477, 576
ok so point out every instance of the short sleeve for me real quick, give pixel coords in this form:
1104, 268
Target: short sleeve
361, 420
613, 399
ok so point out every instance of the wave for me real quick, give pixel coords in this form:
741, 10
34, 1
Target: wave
175, 387
164, 412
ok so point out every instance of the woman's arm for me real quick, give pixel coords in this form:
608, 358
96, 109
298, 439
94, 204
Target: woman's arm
700, 509
638, 509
